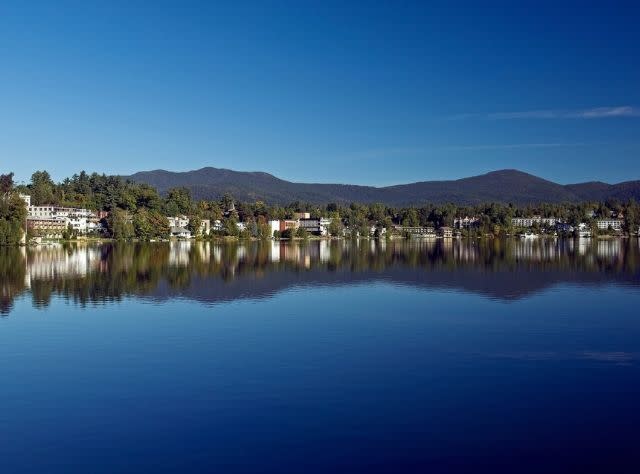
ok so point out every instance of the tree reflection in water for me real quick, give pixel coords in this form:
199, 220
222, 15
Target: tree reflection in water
213, 272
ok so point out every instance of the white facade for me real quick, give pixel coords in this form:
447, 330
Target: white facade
465, 222
615, 224
182, 222
274, 225
325, 222
180, 232
50, 211
178, 221
530, 221
81, 220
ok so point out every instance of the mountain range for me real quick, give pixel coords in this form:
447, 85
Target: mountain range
503, 186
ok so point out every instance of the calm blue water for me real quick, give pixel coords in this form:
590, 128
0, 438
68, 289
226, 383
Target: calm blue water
320, 364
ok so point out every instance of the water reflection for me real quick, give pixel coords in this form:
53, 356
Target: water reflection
212, 272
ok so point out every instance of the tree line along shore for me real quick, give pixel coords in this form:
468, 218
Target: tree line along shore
124, 210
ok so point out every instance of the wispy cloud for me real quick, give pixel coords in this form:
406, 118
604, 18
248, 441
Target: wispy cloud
592, 113
510, 146
398, 152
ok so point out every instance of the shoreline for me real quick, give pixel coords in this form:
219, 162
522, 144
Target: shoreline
229, 239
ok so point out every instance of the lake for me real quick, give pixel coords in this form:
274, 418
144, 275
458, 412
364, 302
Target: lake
401, 356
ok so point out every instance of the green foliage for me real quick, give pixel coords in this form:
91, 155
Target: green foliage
179, 202
263, 229
6, 184
336, 228
69, 233
411, 218
13, 212
194, 226
230, 227
148, 225
120, 225
42, 189
632, 217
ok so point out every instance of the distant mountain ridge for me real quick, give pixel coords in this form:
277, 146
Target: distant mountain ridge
503, 186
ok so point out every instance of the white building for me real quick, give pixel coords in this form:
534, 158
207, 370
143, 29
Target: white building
50, 211
273, 226
374, 228
81, 220
615, 224
26, 198
178, 221
466, 222
182, 222
564, 227
583, 230
325, 222
530, 221
180, 232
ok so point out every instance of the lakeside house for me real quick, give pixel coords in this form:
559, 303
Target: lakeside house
179, 226
289, 224
180, 232
445, 232
376, 228
49, 227
418, 231
274, 225
315, 226
531, 221
583, 230
466, 222
564, 227
612, 223
51, 221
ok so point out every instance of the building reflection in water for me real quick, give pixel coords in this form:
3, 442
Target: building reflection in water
101, 272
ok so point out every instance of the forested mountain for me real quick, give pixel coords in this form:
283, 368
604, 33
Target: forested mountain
505, 186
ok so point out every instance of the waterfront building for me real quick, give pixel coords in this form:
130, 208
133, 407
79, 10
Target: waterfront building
274, 225
289, 224
183, 222
615, 224
47, 218
564, 227
466, 222
180, 232
530, 221
445, 232
48, 227
315, 226
418, 231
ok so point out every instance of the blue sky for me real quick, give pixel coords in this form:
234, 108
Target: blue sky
378, 93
